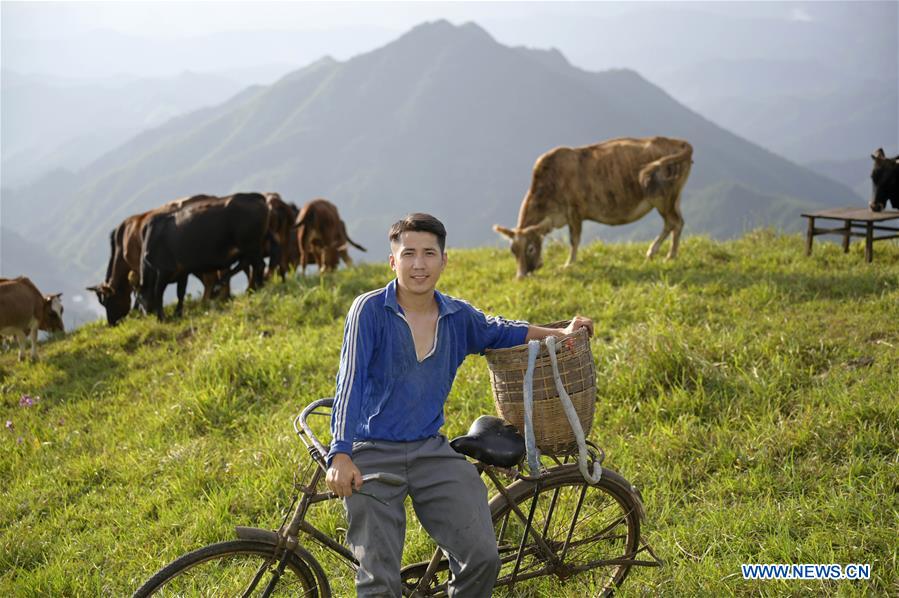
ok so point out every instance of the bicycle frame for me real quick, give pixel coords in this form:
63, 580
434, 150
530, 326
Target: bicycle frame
287, 537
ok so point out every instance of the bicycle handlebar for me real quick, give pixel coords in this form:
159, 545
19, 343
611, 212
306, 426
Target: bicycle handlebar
390, 479
307, 431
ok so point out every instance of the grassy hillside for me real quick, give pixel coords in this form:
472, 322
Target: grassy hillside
748, 391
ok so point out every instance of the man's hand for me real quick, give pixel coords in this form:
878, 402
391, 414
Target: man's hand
580, 322
343, 476
540, 333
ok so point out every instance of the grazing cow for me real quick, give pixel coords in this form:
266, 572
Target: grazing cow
614, 182
321, 235
24, 310
280, 225
202, 238
123, 269
293, 247
885, 181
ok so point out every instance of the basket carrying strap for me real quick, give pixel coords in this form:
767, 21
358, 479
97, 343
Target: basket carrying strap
573, 420
530, 443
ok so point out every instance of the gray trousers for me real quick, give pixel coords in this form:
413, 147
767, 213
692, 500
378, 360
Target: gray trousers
450, 501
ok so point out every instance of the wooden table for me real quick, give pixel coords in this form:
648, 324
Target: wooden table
857, 222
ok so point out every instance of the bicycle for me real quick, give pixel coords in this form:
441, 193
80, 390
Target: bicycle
553, 525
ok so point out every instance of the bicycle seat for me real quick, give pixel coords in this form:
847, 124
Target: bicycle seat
491, 440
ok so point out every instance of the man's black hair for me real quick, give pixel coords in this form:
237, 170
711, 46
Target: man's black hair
419, 223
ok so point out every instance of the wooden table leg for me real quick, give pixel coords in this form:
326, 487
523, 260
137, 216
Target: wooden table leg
846, 232
811, 235
869, 243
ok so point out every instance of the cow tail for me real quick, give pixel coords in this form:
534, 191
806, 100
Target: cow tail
356, 245
665, 169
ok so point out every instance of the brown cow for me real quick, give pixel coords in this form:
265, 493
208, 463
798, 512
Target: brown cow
123, 269
321, 234
293, 247
280, 225
614, 182
23, 310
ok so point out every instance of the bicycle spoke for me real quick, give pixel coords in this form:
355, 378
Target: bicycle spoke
590, 534
262, 569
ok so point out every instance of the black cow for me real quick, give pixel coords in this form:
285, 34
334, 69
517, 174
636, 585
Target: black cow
123, 270
885, 180
203, 238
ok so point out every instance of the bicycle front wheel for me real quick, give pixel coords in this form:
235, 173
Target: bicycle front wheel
591, 531
237, 568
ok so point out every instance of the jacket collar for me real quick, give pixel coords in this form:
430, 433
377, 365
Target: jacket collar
445, 304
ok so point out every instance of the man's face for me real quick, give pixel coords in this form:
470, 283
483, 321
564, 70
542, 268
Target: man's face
418, 261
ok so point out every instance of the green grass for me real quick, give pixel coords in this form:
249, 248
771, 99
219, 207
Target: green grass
751, 393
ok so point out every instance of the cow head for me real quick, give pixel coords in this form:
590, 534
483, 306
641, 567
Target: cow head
527, 243
885, 181
51, 316
116, 301
331, 256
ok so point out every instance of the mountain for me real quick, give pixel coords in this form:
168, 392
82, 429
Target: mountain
21, 257
854, 173
51, 122
809, 81
444, 119
820, 116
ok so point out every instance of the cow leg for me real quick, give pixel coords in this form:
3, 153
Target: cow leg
673, 222
209, 280
182, 289
259, 271
666, 230
345, 256
158, 293
34, 341
574, 234
283, 265
20, 339
677, 225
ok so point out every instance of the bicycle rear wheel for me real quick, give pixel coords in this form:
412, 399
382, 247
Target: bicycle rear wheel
237, 568
590, 528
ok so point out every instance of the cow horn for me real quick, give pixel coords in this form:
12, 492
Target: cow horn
95, 288
878, 155
506, 232
543, 227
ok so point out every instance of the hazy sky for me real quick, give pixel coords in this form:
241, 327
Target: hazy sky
40, 19
77, 39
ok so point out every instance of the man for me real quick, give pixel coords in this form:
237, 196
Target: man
402, 346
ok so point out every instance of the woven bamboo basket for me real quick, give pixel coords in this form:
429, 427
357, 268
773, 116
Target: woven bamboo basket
552, 431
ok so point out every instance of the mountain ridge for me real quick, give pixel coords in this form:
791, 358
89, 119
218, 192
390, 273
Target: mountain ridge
442, 119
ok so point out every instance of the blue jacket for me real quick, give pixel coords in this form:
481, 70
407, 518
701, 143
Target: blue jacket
383, 391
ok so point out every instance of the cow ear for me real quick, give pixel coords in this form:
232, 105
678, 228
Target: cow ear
506, 232
878, 155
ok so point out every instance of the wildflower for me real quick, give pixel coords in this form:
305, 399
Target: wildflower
28, 401
9, 424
